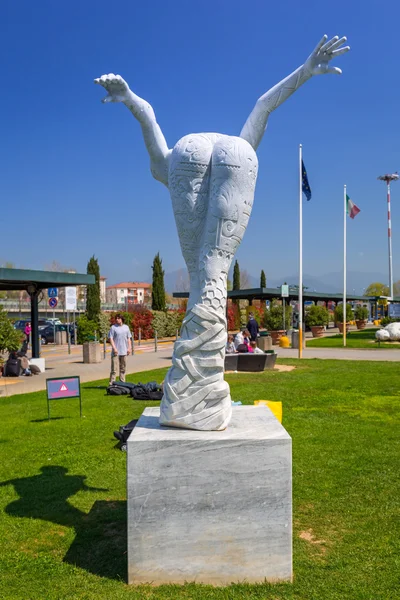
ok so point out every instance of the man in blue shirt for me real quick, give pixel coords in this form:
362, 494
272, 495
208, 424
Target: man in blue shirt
253, 328
121, 342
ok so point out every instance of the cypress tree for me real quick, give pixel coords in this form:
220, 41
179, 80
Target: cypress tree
93, 303
158, 289
263, 280
236, 280
236, 276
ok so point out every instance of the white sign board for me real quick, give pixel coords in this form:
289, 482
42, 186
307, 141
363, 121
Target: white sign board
70, 298
284, 291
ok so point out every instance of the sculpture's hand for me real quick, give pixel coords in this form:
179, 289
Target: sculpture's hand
116, 87
318, 61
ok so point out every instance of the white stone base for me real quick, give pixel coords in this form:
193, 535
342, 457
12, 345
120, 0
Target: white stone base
213, 507
39, 362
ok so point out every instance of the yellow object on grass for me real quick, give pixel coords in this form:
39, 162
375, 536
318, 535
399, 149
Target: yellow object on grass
284, 342
275, 407
377, 322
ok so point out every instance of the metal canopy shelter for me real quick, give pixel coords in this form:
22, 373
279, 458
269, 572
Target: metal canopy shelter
33, 282
270, 293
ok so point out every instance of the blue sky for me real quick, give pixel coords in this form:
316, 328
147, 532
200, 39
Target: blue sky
74, 175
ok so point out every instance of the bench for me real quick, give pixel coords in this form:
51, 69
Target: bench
250, 362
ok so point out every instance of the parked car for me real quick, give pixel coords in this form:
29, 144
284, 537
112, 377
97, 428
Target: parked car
46, 333
21, 324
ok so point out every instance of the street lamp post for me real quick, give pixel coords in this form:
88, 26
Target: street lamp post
388, 178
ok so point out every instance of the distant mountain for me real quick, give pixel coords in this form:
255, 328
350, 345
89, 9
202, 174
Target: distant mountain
356, 280
312, 283
176, 281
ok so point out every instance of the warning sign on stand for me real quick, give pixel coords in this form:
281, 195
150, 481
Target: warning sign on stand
63, 387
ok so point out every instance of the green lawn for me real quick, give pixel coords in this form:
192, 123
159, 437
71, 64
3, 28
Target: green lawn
355, 339
63, 499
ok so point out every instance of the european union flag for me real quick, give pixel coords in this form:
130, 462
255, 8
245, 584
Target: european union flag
305, 185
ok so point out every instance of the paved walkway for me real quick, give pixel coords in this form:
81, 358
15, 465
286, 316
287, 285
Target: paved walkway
61, 364
341, 353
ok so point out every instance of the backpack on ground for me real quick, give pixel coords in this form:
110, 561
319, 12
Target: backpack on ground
118, 389
124, 432
138, 391
12, 367
147, 391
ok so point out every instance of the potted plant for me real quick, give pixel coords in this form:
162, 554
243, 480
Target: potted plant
273, 320
339, 316
361, 316
317, 317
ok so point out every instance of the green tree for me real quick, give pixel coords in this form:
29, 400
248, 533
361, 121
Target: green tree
236, 279
158, 288
10, 338
93, 291
263, 280
236, 276
104, 325
377, 289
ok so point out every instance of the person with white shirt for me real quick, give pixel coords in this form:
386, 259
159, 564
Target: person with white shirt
121, 342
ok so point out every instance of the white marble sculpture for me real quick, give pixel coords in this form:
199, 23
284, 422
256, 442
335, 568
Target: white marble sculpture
211, 178
389, 333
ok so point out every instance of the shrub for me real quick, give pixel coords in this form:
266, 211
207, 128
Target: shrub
10, 338
104, 325
361, 313
339, 313
387, 320
317, 316
87, 329
159, 323
231, 325
174, 322
141, 317
273, 318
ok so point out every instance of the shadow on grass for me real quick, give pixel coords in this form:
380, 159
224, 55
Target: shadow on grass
100, 543
46, 420
94, 387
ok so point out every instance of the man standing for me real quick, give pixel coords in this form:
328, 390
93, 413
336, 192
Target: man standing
121, 342
253, 328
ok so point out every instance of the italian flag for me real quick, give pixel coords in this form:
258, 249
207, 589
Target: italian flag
352, 209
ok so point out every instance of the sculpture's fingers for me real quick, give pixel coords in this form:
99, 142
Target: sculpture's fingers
101, 80
336, 44
107, 99
340, 51
326, 46
320, 44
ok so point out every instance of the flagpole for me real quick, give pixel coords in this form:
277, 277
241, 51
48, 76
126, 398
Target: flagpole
300, 252
344, 263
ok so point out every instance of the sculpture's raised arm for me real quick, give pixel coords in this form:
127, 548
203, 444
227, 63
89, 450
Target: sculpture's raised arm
118, 91
316, 64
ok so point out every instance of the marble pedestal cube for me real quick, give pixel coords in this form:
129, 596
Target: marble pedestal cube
210, 506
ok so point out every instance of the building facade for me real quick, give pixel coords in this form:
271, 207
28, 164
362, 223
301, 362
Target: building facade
127, 293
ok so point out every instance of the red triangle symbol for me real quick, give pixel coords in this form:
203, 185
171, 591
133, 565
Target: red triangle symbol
63, 388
